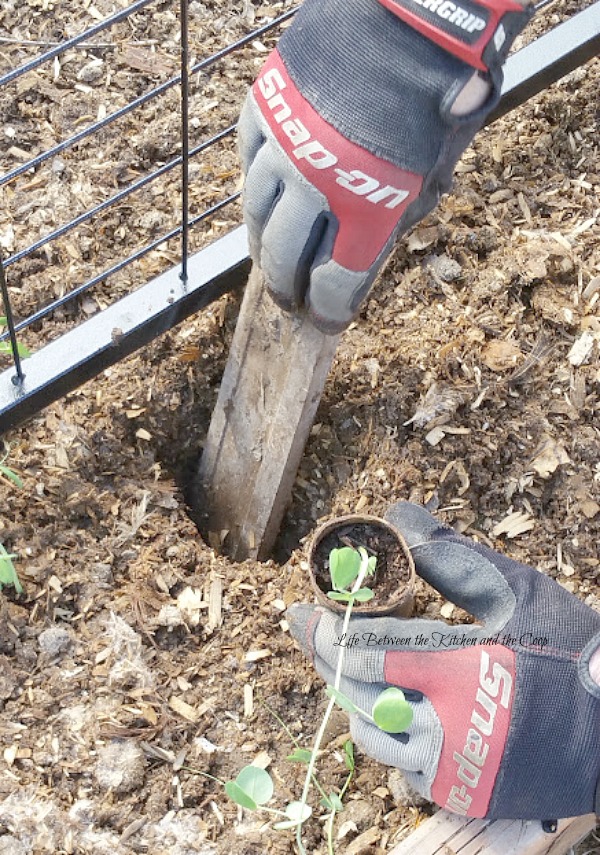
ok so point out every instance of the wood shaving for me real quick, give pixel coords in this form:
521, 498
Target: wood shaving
513, 525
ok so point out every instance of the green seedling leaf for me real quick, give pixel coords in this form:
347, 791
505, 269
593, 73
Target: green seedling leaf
344, 565
391, 711
237, 795
10, 475
341, 699
363, 595
340, 596
252, 787
297, 813
332, 802
257, 783
8, 574
300, 755
336, 802
349, 755
371, 564
5, 347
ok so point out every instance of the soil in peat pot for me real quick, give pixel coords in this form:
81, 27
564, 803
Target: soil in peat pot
393, 570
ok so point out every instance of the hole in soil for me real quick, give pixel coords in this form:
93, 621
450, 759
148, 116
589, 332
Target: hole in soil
187, 481
297, 523
170, 639
293, 529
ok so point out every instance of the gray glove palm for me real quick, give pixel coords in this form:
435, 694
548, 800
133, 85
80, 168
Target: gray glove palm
506, 714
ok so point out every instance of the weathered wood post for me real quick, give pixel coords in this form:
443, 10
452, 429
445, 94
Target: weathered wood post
267, 402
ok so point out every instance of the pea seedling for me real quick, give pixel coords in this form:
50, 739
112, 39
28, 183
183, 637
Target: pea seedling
391, 711
8, 574
253, 787
6, 347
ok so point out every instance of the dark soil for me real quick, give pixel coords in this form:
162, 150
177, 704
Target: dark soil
391, 582
137, 655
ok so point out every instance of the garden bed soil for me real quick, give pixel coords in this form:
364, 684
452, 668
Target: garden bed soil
137, 656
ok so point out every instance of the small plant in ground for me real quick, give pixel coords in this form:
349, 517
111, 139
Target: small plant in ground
253, 787
8, 574
5, 346
6, 472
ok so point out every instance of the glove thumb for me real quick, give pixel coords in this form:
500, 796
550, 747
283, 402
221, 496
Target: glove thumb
471, 576
304, 620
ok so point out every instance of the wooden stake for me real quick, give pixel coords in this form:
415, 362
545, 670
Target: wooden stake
446, 832
267, 402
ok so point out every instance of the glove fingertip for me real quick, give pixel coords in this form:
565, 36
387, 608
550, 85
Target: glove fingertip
328, 326
284, 301
415, 523
303, 620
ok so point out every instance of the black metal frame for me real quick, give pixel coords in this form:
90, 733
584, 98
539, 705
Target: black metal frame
182, 79
124, 327
547, 59
136, 319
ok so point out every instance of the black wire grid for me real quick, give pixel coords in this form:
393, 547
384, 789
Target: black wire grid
181, 161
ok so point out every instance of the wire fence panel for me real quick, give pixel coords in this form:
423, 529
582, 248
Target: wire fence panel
118, 162
110, 176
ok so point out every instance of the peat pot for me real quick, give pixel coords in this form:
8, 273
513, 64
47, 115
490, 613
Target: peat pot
394, 579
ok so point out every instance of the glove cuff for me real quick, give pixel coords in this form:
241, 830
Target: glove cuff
479, 32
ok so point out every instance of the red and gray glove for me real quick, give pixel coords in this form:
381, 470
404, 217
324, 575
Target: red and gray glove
506, 712
348, 137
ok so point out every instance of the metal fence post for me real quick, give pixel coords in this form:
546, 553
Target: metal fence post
19, 376
185, 137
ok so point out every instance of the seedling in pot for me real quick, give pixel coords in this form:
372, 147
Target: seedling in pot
392, 584
348, 568
344, 567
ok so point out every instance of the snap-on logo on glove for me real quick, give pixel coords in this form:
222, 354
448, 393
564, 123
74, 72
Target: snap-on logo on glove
366, 195
271, 84
472, 759
475, 731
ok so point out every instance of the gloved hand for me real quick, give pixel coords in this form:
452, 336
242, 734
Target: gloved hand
506, 713
349, 136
